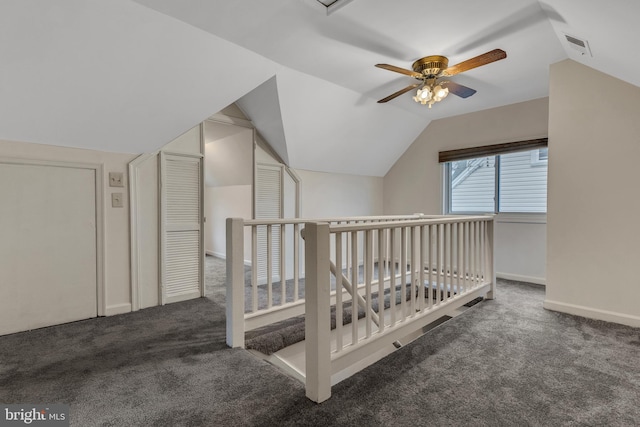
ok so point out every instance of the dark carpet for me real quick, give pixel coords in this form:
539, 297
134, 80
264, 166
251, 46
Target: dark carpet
505, 362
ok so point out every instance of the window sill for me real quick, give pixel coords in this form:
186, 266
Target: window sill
524, 218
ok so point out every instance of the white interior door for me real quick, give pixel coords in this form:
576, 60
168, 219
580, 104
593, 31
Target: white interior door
48, 245
181, 227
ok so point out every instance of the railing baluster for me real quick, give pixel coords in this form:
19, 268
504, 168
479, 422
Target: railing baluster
339, 308
482, 252
254, 267
447, 261
430, 276
368, 261
403, 271
474, 269
381, 288
354, 284
392, 275
347, 264
412, 263
473, 249
467, 255
460, 259
452, 245
438, 262
477, 253
423, 262
296, 260
283, 268
269, 267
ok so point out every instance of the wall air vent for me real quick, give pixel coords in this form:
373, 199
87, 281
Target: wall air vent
579, 44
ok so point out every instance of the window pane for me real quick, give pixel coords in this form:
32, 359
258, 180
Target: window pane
543, 154
473, 185
523, 181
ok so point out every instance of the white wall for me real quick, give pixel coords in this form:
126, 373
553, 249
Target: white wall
116, 220
188, 142
228, 154
415, 182
593, 203
232, 201
326, 195
520, 248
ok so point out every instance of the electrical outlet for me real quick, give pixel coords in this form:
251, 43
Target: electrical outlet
116, 200
116, 179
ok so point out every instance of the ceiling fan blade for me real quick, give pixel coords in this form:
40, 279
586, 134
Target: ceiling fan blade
484, 59
458, 89
399, 70
398, 93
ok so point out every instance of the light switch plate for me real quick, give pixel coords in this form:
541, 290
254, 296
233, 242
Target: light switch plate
116, 179
116, 200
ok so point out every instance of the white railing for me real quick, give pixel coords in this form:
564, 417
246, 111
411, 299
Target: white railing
404, 272
426, 269
252, 303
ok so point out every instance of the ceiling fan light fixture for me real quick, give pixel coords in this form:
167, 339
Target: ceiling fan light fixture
440, 93
423, 95
430, 93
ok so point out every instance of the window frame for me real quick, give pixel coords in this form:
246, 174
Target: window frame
448, 199
536, 160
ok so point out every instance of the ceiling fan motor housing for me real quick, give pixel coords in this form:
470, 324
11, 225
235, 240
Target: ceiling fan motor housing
431, 66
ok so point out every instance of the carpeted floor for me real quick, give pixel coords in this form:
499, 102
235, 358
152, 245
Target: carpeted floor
505, 362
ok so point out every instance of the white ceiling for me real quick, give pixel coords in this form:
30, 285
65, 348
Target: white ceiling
130, 76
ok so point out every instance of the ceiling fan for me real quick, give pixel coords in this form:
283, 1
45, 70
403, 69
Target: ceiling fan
431, 68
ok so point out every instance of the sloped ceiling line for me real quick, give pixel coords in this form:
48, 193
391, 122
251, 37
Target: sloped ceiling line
262, 107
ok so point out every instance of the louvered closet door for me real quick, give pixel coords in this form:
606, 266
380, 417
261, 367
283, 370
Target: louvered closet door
181, 207
268, 206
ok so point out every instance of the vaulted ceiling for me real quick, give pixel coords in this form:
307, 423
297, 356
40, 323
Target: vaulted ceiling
130, 76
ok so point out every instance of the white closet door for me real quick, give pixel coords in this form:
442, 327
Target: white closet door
268, 206
48, 245
181, 212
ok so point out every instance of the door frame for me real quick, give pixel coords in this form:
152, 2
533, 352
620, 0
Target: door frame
133, 226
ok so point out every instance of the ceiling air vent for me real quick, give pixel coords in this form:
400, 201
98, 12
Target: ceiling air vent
333, 5
578, 44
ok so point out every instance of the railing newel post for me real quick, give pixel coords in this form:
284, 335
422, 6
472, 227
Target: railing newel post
235, 282
490, 257
317, 312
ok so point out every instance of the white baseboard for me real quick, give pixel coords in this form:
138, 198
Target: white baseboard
112, 310
224, 256
520, 278
593, 313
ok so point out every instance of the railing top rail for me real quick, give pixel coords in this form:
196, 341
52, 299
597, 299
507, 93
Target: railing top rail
381, 218
341, 228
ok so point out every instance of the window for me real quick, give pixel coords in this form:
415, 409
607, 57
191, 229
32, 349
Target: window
512, 182
473, 184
